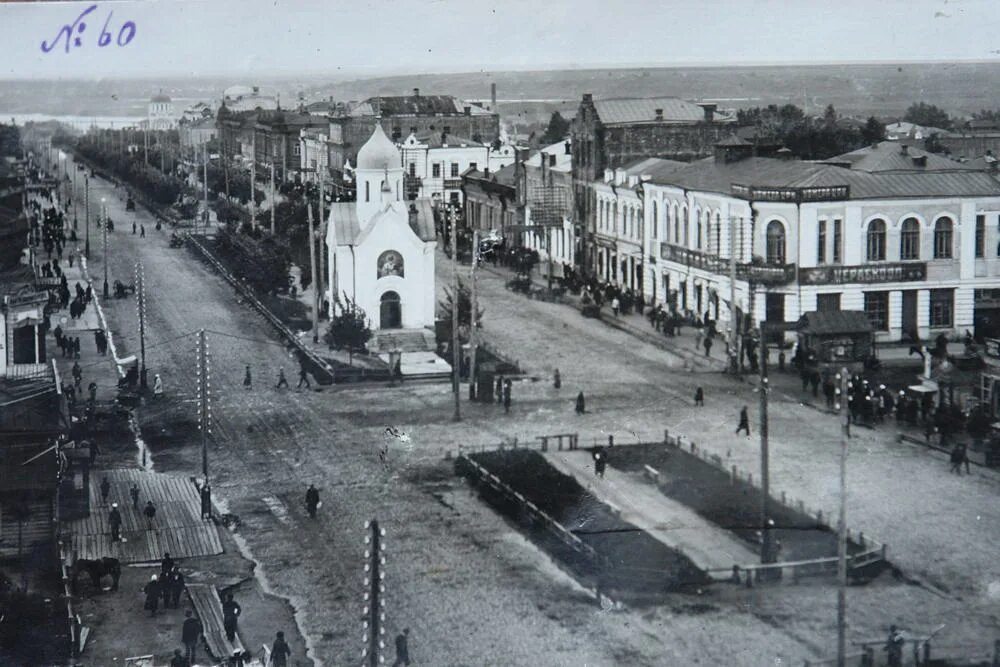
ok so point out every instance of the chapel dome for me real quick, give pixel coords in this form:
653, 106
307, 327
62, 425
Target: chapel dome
379, 152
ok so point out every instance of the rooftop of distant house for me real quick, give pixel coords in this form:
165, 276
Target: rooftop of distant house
415, 105
441, 140
658, 110
894, 156
559, 157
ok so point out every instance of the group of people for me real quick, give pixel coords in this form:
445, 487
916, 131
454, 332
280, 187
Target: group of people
168, 586
68, 345
502, 392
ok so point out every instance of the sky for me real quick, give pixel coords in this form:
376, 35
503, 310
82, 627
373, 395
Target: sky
331, 37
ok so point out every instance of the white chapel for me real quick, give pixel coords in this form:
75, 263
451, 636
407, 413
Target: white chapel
381, 246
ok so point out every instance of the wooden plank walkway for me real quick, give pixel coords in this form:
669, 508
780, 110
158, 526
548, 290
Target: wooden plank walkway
208, 606
178, 528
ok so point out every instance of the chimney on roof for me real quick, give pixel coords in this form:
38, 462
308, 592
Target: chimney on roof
919, 160
709, 109
552, 159
588, 97
486, 171
659, 114
416, 92
568, 148
468, 111
904, 149
493, 96
256, 89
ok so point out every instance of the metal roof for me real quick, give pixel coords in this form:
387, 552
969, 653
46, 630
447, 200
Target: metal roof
834, 322
643, 110
890, 156
418, 105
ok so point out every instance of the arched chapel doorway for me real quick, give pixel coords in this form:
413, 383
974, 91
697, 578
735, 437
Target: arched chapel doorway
390, 311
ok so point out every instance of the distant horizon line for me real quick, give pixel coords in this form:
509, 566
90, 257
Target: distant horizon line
363, 73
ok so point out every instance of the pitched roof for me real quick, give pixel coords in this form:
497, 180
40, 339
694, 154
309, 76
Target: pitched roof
450, 141
344, 222
834, 322
708, 175
889, 156
418, 105
643, 110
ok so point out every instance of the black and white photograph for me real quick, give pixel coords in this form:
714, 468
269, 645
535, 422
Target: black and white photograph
448, 333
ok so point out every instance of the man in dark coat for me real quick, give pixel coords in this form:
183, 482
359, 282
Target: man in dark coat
580, 404
230, 616
178, 660
105, 490
699, 397
115, 522
280, 651
402, 648
133, 492
506, 395
600, 461
191, 632
153, 592
206, 501
312, 500
150, 511
166, 565
176, 587
744, 422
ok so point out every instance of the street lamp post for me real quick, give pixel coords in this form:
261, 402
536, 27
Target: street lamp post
104, 227
86, 212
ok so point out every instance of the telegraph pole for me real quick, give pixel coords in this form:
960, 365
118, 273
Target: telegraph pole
104, 228
140, 290
321, 285
272, 198
312, 265
842, 386
205, 157
145, 143
734, 334
767, 539
455, 301
253, 179
86, 205
374, 623
204, 401
473, 386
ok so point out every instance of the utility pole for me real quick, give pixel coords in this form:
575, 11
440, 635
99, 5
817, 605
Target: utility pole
74, 194
374, 623
272, 198
312, 265
734, 333
456, 356
205, 157
140, 291
204, 401
767, 539
842, 387
104, 228
253, 180
145, 143
86, 205
321, 285
473, 386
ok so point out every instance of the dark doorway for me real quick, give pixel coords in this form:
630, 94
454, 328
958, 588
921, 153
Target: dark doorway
910, 315
25, 344
774, 308
390, 311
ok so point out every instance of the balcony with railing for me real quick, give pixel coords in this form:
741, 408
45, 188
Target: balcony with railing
763, 274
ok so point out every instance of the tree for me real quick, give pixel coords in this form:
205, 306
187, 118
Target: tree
830, 117
446, 306
928, 115
557, 130
349, 328
873, 131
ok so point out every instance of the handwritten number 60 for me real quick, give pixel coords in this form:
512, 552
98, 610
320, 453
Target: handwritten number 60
126, 37
72, 34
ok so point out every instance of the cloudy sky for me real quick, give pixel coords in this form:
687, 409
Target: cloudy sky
280, 37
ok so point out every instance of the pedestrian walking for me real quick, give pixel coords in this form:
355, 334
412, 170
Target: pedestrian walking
499, 390
744, 422
698, 336
506, 396
105, 490
615, 306
402, 648
282, 380
150, 512
115, 523
303, 377
191, 632
247, 379
76, 347
142, 231
956, 459
580, 404
312, 500
280, 651
206, 501
894, 647
699, 397
708, 346
178, 660
556, 379
176, 587
133, 492
230, 616
166, 565
153, 592
157, 386
77, 374
133, 226
600, 461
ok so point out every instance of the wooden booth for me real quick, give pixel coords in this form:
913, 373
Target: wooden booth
836, 339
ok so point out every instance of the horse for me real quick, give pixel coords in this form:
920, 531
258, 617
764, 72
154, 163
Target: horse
97, 569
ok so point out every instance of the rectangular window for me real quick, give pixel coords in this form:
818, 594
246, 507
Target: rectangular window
474, 166
436, 170
942, 307
454, 170
827, 302
837, 242
877, 309
447, 129
821, 242
980, 236
413, 169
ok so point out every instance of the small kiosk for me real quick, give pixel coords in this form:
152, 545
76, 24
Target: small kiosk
835, 339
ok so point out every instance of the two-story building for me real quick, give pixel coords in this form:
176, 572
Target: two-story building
913, 246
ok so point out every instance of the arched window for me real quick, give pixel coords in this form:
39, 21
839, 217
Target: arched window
876, 240
613, 226
697, 229
775, 242
685, 225
655, 228
718, 234
909, 239
942, 238
675, 219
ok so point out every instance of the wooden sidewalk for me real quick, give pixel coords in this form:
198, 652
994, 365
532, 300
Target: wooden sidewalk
178, 528
208, 606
